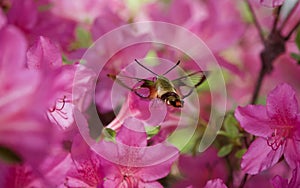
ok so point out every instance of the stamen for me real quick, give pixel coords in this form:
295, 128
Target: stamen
63, 101
279, 137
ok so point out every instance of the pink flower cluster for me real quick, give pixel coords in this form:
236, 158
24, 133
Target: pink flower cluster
256, 43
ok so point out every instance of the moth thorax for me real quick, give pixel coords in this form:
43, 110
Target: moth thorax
173, 99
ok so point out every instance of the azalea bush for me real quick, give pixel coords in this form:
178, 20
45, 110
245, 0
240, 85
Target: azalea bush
83, 100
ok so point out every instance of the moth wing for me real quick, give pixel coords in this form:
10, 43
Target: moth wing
187, 83
141, 87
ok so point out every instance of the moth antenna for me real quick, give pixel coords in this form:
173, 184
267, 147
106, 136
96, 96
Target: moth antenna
178, 62
145, 67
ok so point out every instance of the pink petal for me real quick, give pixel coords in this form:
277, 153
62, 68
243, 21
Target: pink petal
132, 133
13, 48
207, 163
272, 3
216, 183
44, 55
260, 156
36, 136
157, 162
56, 166
75, 182
56, 28
295, 180
87, 162
154, 184
111, 172
105, 23
253, 119
112, 183
282, 105
24, 14
292, 152
279, 182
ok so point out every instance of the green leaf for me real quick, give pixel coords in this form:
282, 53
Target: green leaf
152, 131
246, 12
66, 61
83, 38
110, 134
296, 57
239, 154
230, 125
9, 156
225, 150
297, 40
223, 133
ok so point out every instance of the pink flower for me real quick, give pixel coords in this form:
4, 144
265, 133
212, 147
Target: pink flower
276, 126
216, 183
35, 22
279, 182
201, 168
23, 127
204, 18
272, 3
262, 179
130, 163
87, 169
86, 10
45, 57
50, 174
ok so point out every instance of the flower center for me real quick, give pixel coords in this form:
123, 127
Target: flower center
279, 136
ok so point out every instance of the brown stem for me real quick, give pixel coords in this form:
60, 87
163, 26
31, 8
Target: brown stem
278, 10
229, 166
244, 180
258, 85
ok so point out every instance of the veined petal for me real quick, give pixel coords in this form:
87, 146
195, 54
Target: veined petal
44, 55
132, 133
260, 156
295, 180
253, 119
292, 153
282, 105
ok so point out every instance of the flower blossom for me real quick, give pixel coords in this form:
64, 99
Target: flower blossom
279, 182
201, 168
87, 169
23, 127
130, 162
44, 56
276, 126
